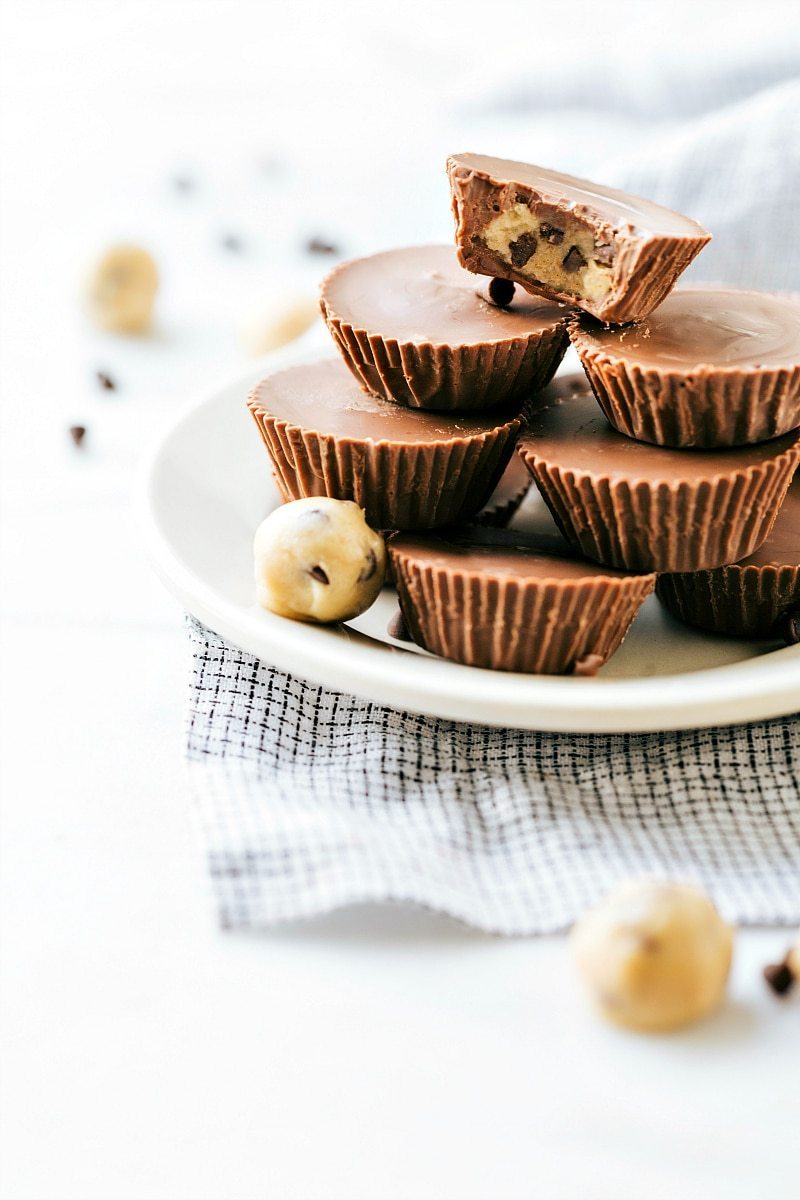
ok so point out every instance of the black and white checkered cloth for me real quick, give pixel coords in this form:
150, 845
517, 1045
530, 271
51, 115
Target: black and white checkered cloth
310, 799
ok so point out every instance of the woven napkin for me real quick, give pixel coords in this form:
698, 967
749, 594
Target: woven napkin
309, 799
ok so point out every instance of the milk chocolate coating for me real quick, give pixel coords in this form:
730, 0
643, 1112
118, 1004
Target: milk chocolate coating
710, 367
415, 327
501, 600
645, 507
748, 598
514, 485
646, 245
409, 469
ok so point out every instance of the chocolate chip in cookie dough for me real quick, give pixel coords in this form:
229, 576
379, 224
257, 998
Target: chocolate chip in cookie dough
603, 255
787, 627
501, 292
319, 574
550, 233
370, 568
573, 260
522, 249
105, 381
77, 433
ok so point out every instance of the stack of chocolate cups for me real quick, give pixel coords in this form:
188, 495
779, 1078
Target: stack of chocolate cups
709, 385
442, 373
686, 471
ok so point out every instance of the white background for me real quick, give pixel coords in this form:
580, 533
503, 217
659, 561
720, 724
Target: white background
374, 1054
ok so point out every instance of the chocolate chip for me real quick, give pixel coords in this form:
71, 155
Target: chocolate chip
398, 629
573, 260
318, 574
318, 245
779, 977
787, 627
521, 198
313, 517
501, 292
105, 381
590, 664
370, 568
77, 433
603, 255
551, 233
522, 249
231, 242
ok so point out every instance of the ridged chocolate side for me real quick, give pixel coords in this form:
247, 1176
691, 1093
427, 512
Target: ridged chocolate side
449, 378
504, 500
645, 268
400, 486
651, 526
741, 601
706, 409
536, 626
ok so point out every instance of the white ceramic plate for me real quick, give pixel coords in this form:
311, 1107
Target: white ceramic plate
207, 486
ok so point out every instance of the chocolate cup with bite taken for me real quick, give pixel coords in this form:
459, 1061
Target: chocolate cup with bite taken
757, 597
711, 367
407, 468
609, 253
647, 508
416, 328
505, 601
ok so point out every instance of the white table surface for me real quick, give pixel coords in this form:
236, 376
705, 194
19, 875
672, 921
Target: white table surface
375, 1054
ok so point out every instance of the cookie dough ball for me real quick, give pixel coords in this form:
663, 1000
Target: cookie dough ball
122, 290
655, 954
318, 560
279, 323
793, 959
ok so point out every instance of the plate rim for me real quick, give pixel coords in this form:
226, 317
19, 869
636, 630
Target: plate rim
344, 660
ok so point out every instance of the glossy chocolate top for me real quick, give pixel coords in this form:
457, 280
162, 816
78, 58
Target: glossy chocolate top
325, 398
500, 552
420, 294
570, 432
716, 327
782, 547
617, 208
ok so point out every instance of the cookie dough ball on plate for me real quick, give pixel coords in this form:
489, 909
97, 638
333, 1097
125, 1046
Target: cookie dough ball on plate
655, 954
316, 559
122, 290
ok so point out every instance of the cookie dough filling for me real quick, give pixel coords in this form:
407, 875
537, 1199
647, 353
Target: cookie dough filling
557, 251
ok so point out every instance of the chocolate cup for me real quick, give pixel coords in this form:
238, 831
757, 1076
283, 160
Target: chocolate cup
748, 598
711, 367
646, 508
513, 487
491, 608
415, 328
406, 468
649, 245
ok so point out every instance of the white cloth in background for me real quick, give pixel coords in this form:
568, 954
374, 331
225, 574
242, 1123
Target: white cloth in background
310, 799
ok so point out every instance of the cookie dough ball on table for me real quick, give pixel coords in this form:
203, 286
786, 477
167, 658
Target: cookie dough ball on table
122, 290
655, 954
316, 559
